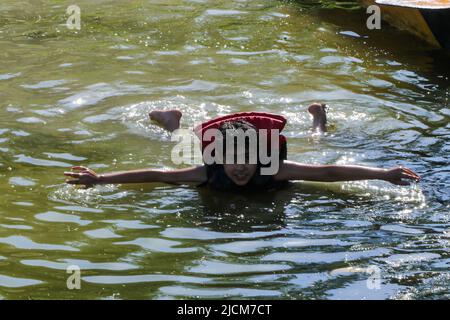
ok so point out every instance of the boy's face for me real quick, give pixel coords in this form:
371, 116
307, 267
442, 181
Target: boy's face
240, 174
239, 166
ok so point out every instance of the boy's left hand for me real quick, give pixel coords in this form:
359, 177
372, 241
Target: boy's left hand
401, 176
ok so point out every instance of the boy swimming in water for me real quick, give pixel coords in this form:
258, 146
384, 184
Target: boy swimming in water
229, 175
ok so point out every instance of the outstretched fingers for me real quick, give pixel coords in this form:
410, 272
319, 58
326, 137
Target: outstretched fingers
412, 173
83, 169
81, 176
79, 168
409, 174
408, 177
72, 174
75, 175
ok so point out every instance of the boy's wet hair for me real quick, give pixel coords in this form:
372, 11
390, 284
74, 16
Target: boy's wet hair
228, 127
236, 125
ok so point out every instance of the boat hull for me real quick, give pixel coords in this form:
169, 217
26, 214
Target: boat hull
430, 24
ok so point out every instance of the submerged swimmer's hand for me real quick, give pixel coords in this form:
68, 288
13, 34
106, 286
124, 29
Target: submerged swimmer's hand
401, 176
85, 176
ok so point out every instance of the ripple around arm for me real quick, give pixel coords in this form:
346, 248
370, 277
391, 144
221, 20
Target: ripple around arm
84, 197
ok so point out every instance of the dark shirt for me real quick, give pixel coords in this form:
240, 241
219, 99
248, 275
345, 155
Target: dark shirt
218, 180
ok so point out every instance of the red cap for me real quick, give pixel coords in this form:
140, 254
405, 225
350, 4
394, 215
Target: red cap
261, 120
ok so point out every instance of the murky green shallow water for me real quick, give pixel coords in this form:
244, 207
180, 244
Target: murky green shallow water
82, 98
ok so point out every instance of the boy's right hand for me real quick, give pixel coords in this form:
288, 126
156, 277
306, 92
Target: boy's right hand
85, 176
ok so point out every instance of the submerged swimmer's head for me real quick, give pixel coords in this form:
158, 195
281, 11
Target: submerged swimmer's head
242, 153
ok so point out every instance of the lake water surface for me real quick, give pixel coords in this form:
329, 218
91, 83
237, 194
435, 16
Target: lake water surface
72, 97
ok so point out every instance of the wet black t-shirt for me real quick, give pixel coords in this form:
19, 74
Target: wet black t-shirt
218, 180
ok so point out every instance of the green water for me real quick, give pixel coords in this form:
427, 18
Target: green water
71, 97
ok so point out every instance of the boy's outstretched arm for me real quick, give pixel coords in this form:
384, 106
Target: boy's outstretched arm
88, 177
331, 173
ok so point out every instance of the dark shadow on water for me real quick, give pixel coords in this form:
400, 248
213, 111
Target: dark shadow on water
296, 205
244, 212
